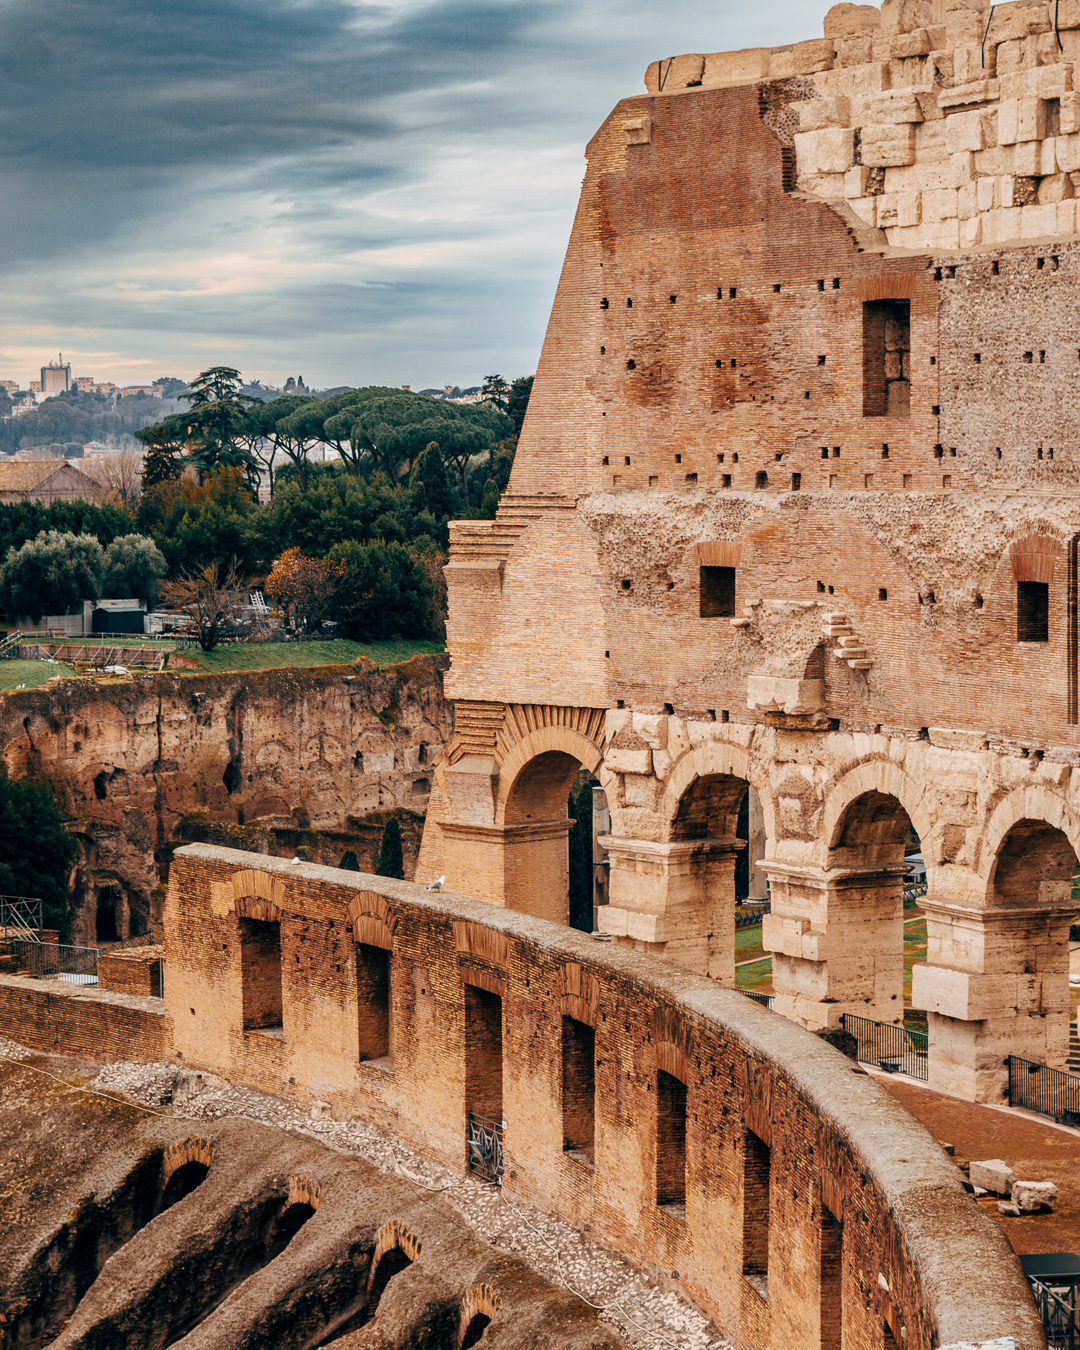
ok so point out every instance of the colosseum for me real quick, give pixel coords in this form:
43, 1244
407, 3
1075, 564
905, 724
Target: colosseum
788, 566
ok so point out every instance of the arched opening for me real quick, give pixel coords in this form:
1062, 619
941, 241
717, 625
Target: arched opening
872, 943
106, 920
1031, 911
187, 1178
286, 1226
474, 1332
538, 823
392, 1263
709, 884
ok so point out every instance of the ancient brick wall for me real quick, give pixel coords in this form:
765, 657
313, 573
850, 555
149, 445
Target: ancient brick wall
267, 754
468, 981
48, 1016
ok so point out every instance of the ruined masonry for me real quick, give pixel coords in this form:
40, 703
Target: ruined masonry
796, 510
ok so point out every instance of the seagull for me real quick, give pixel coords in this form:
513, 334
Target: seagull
436, 885
295, 862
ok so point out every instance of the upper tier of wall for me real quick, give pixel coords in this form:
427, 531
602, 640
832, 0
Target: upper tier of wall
798, 1170
943, 124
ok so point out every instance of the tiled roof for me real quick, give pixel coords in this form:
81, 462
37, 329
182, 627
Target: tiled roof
26, 476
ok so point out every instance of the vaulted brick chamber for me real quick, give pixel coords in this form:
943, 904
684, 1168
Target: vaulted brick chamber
795, 509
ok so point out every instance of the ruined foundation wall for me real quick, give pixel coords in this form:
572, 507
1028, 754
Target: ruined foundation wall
273, 756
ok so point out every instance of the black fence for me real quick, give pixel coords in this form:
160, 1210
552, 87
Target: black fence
751, 915
484, 1139
766, 1000
892, 1048
913, 893
1058, 1316
1050, 1092
52, 961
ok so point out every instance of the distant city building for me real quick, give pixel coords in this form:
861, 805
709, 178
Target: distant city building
55, 377
105, 389
35, 386
148, 389
84, 383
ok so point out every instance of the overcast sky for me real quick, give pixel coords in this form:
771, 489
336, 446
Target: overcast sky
358, 192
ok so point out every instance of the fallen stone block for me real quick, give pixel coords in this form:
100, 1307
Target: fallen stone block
1031, 1196
992, 1175
1008, 1208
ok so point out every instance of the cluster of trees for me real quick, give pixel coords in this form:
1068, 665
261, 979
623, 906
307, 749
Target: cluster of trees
73, 418
358, 541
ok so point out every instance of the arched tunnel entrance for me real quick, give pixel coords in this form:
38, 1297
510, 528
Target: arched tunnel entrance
538, 823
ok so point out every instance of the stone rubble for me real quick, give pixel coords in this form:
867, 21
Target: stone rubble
643, 1315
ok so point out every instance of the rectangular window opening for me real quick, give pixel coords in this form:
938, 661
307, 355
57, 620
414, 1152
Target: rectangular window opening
1032, 611
671, 1143
483, 1054
717, 590
579, 1089
374, 1019
757, 1164
831, 1281
260, 975
887, 358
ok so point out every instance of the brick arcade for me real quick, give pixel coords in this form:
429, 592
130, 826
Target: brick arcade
795, 512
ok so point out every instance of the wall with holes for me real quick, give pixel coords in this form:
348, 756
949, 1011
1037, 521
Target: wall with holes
725, 1146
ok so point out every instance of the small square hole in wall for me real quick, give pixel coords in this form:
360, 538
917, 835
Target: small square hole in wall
779, 455
821, 360
836, 452
725, 480
1042, 358
691, 477
678, 459
998, 452
603, 351
669, 709
906, 481
868, 480
806, 394
952, 451
978, 358
625, 583
883, 594
631, 364
629, 304
939, 450
834, 480
1039, 453
626, 459
1028, 357
946, 480
712, 714
725, 716
719, 365
933, 360
732, 293
937, 274
654, 481
884, 452
735, 457
832, 590
604, 460
607, 656
978, 602
824, 452
604, 303
616, 480
733, 363
671, 585
673, 298
821, 284
720, 458
821, 588
1050, 453
995, 269
796, 482
936, 410
1041, 263
776, 290
620, 703
836, 283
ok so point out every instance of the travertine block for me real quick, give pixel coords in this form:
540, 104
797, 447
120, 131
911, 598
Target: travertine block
906, 15
967, 204
971, 232
909, 208
978, 91
1004, 224
886, 210
887, 146
1070, 114
1066, 217
897, 106
825, 152
828, 185
1056, 188
854, 51
845, 20
1008, 122
992, 1175
1030, 119
855, 181
968, 64
629, 761
986, 193
725, 69
1068, 15
805, 58
963, 167
902, 46
1009, 57
1047, 81
939, 204
1027, 160
679, 73
1012, 23
818, 114
1040, 221
1031, 1196
966, 131
998, 160
1047, 156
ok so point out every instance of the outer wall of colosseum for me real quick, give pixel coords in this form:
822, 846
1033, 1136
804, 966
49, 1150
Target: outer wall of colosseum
795, 506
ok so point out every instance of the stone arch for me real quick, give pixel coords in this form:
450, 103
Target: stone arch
881, 777
479, 1304
1032, 802
374, 920
257, 895
716, 760
194, 1149
543, 764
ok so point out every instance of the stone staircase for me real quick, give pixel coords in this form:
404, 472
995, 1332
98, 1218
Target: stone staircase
849, 646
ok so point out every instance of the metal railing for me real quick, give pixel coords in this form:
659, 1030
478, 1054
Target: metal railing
22, 914
51, 961
750, 915
913, 893
766, 1000
484, 1139
892, 1048
1058, 1316
1050, 1092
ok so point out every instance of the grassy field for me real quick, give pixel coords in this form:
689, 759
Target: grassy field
29, 674
324, 652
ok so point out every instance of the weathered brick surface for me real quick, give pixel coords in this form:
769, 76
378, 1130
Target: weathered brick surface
466, 981
99, 1024
131, 970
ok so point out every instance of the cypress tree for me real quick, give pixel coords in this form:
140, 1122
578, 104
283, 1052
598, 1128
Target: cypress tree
349, 862
391, 858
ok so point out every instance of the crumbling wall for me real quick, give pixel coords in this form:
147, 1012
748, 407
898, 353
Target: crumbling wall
273, 760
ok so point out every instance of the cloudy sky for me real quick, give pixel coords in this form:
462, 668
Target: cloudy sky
354, 191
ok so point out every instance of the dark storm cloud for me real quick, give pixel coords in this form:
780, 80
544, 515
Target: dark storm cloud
337, 185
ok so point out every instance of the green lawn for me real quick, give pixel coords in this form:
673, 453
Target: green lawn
29, 674
318, 652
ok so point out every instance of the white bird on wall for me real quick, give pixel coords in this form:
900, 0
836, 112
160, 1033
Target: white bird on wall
436, 885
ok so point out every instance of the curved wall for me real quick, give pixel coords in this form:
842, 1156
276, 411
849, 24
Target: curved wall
809, 1196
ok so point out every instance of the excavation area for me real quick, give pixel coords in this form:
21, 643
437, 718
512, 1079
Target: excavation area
141, 1226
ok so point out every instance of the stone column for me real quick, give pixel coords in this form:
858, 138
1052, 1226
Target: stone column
837, 939
995, 983
522, 867
675, 900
